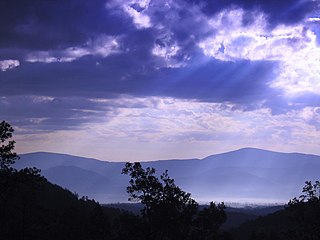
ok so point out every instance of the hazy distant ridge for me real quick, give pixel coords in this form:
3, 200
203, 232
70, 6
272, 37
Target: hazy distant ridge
247, 175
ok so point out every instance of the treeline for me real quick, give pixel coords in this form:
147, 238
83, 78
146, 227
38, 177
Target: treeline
300, 220
33, 208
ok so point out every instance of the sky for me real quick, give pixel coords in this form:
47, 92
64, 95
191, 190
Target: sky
129, 80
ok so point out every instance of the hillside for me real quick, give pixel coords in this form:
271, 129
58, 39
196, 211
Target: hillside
296, 222
33, 208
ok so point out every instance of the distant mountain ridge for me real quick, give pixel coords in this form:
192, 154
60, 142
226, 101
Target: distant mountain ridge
245, 175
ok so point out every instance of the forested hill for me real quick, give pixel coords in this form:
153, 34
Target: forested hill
299, 221
33, 208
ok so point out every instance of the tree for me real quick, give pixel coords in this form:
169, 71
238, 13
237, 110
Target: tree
154, 192
7, 156
14, 184
167, 209
311, 191
33, 208
169, 212
144, 186
305, 211
208, 222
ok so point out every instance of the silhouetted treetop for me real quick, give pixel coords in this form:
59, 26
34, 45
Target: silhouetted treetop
154, 192
7, 156
169, 212
311, 193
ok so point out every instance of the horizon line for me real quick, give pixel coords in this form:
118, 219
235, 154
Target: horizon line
170, 159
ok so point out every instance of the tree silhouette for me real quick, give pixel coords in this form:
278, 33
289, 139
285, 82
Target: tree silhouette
33, 208
169, 212
311, 192
208, 222
7, 156
305, 212
144, 187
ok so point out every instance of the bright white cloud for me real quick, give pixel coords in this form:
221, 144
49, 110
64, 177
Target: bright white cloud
140, 19
102, 46
136, 9
300, 70
295, 47
8, 64
314, 19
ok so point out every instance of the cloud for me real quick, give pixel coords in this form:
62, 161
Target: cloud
102, 46
44, 113
161, 126
299, 73
51, 25
242, 82
8, 64
294, 46
252, 54
278, 12
184, 53
168, 119
140, 20
170, 53
136, 9
232, 40
313, 19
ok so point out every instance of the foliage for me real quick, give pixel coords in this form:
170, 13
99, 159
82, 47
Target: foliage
153, 192
169, 212
299, 220
7, 156
144, 186
33, 208
311, 193
36, 209
208, 222
305, 212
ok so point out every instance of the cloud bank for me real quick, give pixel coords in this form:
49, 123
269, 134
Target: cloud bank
66, 66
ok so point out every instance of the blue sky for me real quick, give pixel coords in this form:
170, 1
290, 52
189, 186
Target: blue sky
142, 80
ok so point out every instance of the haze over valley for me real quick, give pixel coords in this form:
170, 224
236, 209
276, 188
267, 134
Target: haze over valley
246, 176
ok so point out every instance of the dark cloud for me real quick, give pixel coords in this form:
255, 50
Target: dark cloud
241, 82
44, 25
47, 25
134, 70
284, 11
217, 81
47, 114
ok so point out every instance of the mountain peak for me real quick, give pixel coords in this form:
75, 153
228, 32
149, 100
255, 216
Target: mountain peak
247, 174
243, 152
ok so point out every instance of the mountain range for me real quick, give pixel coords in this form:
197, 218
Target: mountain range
247, 175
